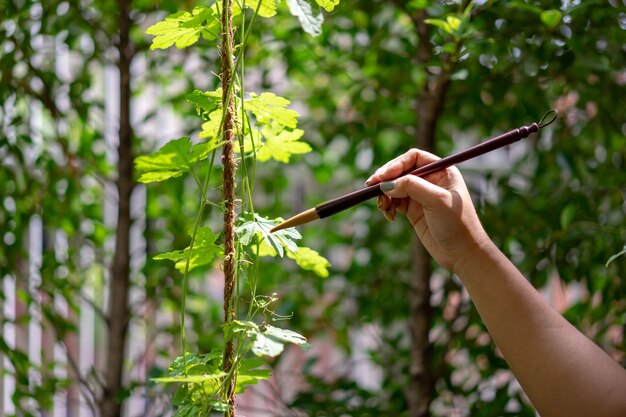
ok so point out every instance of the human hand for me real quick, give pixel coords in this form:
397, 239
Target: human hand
438, 206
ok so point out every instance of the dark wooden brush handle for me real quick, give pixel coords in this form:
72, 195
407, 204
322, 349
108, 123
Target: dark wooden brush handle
330, 207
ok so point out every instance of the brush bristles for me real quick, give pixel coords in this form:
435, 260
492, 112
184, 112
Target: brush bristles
297, 220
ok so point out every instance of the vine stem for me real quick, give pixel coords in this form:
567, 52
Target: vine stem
228, 90
230, 170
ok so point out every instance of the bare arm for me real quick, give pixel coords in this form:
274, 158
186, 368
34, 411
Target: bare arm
562, 371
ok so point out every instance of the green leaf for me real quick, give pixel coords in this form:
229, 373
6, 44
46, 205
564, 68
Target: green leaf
268, 107
205, 102
196, 364
266, 346
417, 4
285, 335
248, 375
551, 18
617, 255
310, 21
524, 6
266, 9
253, 135
183, 28
187, 410
280, 144
271, 342
310, 260
173, 160
250, 226
454, 23
567, 215
204, 251
192, 379
440, 24
236, 326
211, 128
328, 5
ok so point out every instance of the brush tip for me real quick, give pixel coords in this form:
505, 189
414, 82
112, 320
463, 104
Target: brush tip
297, 220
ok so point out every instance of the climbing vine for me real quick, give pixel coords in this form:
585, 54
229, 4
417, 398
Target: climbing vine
244, 128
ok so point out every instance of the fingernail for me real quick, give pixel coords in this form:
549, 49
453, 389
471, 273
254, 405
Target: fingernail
368, 182
387, 185
379, 203
388, 216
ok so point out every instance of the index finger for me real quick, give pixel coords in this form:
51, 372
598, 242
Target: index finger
411, 159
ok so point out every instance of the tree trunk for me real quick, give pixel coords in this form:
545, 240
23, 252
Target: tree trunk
119, 312
428, 110
230, 169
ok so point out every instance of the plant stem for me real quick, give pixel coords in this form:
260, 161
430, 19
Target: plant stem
230, 170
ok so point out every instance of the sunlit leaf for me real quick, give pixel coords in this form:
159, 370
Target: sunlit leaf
205, 251
280, 144
268, 107
285, 335
173, 160
267, 8
454, 23
440, 24
211, 128
310, 260
250, 226
310, 20
271, 342
328, 5
551, 18
195, 364
267, 346
237, 326
205, 102
194, 379
183, 28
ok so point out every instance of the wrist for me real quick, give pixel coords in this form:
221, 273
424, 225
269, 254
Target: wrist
475, 257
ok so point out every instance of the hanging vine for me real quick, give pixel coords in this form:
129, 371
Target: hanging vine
257, 127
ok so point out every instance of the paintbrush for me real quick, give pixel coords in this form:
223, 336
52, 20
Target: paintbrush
336, 205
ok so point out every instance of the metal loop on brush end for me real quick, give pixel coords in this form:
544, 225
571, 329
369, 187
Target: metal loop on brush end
545, 121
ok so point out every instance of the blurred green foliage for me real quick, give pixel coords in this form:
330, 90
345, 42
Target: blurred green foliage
556, 208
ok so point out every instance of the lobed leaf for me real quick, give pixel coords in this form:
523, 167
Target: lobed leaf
252, 225
237, 326
271, 342
267, 8
173, 160
280, 144
285, 335
310, 260
310, 20
183, 29
205, 102
266, 346
205, 251
268, 107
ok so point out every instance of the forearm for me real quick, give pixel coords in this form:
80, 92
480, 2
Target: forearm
561, 371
